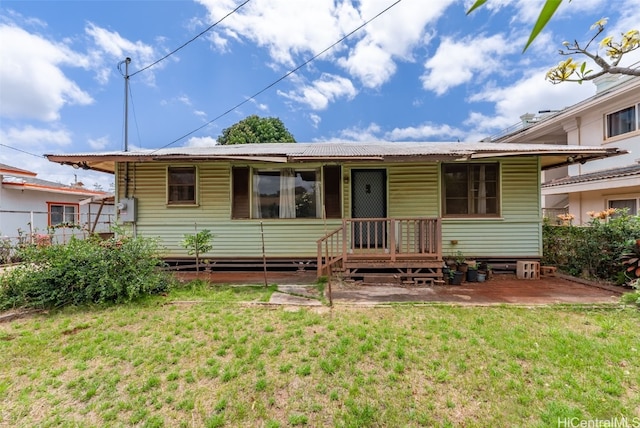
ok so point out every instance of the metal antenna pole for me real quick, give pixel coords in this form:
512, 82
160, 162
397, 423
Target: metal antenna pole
127, 61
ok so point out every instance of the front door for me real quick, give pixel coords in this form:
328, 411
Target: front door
369, 200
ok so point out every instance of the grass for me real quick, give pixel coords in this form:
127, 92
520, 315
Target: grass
218, 363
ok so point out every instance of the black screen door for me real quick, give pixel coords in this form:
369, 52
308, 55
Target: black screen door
369, 200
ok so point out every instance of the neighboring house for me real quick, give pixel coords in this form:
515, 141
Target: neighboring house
609, 118
30, 206
361, 206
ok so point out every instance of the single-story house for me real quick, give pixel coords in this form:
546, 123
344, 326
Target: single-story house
30, 206
357, 206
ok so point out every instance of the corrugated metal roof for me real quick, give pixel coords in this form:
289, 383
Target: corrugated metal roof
627, 171
346, 149
552, 155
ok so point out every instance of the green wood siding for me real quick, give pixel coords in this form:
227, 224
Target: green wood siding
413, 190
517, 233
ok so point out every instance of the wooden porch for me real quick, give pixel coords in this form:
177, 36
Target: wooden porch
402, 250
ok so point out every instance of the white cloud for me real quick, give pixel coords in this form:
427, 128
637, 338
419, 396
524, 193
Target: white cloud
293, 31
259, 106
33, 83
425, 132
184, 99
369, 133
320, 93
528, 95
201, 142
458, 61
283, 27
315, 119
32, 138
99, 143
370, 63
111, 46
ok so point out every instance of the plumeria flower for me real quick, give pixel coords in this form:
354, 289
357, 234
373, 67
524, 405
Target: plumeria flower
606, 41
600, 23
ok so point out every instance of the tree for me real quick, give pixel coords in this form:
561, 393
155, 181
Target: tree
197, 244
571, 71
255, 129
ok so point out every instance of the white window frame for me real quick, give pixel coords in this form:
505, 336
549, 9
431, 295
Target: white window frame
635, 122
70, 213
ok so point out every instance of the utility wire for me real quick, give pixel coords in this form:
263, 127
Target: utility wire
289, 73
194, 38
135, 117
22, 151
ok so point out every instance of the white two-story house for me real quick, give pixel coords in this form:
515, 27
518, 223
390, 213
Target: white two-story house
609, 118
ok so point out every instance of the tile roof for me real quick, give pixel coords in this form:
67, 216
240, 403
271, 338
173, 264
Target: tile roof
626, 171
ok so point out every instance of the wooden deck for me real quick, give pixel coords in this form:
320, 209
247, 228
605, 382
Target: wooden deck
399, 249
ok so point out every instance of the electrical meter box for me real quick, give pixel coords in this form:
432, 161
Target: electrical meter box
127, 208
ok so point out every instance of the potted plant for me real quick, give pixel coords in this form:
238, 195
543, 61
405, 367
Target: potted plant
472, 273
450, 262
484, 271
446, 274
456, 277
461, 264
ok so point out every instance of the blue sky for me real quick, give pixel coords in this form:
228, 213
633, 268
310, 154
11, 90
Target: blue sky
421, 71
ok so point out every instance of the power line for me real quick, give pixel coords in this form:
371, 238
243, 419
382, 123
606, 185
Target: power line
289, 73
22, 151
194, 38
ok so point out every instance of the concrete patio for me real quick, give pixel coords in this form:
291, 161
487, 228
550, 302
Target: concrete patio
299, 289
501, 290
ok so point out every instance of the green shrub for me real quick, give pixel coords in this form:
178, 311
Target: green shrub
84, 271
593, 251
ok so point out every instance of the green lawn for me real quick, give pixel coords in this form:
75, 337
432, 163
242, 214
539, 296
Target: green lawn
224, 363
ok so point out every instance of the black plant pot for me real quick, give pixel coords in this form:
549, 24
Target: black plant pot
472, 275
457, 278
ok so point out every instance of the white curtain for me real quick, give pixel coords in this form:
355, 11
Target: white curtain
287, 193
257, 206
482, 192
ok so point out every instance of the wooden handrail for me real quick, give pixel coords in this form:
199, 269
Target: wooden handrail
381, 239
330, 250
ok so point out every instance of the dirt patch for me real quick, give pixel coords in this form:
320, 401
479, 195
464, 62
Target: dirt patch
75, 330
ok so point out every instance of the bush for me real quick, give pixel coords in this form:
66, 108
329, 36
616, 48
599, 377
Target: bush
84, 271
593, 251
